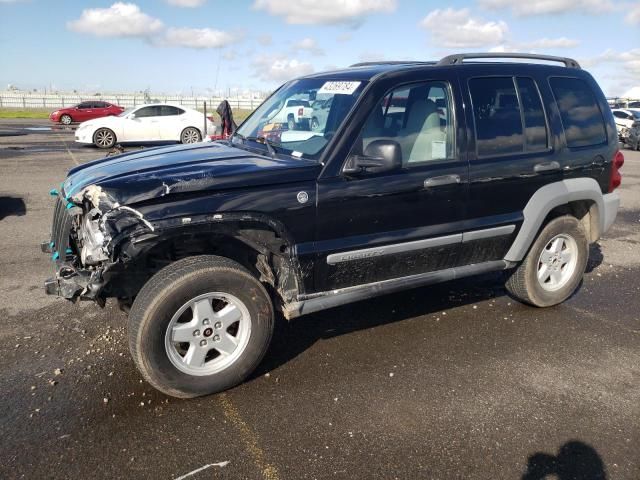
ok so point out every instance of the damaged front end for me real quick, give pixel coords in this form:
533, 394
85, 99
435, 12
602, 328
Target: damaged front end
82, 241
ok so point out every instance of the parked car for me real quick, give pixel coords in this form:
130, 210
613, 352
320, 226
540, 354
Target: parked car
202, 244
293, 112
632, 138
624, 118
145, 124
85, 111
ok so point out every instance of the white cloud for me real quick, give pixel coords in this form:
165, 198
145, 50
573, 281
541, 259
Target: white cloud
543, 7
119, 20
186, 3
328, 12
458, 29
308, 45
197, 38
280, 69
537, 45
621, 67
633, 17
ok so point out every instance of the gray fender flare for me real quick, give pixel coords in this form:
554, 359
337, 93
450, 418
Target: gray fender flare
553, 195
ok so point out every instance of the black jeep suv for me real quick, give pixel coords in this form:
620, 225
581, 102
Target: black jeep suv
418, 172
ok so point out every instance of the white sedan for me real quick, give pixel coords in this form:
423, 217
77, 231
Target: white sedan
146, 123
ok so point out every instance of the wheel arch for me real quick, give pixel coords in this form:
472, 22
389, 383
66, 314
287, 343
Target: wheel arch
258, 243
580, 197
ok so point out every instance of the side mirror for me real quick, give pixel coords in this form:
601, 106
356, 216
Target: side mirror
132, 116
379, 156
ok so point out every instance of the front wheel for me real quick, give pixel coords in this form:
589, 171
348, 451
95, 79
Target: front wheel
190, 135
104, 138
65, 119
553, 269
199, 326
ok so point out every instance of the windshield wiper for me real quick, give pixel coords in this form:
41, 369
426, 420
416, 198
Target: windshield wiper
263, 140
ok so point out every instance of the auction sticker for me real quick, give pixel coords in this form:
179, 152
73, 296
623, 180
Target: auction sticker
339, 88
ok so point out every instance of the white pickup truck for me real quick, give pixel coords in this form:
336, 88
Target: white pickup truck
294, 113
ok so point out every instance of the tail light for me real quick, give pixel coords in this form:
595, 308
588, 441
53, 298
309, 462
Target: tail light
301, 111
615, 179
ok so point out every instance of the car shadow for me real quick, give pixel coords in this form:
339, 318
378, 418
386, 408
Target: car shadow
292, 338
12, 206
595, 257
575, 461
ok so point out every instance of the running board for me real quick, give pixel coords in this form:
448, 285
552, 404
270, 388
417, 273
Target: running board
334, 298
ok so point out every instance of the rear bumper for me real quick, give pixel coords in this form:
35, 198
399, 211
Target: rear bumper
611, 204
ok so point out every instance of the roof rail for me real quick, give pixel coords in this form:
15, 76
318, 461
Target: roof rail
391, 62
459, 58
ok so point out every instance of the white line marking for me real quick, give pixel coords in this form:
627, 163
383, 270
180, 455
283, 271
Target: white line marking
198, 470
68, 151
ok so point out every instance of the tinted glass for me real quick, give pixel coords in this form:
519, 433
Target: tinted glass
581, 117
535, 125
148, 112
619, 114
99, 105
168, 110
84, 105
497, 116
418, 118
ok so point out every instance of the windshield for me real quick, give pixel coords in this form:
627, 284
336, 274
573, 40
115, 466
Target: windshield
127, 112
636, 114
301, 117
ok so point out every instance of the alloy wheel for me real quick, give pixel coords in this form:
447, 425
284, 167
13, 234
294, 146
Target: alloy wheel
208, 334
557, 262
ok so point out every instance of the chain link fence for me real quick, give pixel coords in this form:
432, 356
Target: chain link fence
21, 100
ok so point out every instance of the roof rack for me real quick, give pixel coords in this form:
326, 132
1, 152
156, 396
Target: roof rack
459, 58
391, 62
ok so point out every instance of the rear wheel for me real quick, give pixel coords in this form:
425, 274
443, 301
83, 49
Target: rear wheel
104, 138
200, 325
315, 124
291, 122
553, 269
65, 119
190, 135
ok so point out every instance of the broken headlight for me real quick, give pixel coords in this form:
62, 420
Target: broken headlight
91, 233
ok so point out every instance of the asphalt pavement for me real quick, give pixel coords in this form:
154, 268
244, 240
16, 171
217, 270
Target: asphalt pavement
452, 381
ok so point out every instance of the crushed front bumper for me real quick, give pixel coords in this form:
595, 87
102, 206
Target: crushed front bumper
71, 284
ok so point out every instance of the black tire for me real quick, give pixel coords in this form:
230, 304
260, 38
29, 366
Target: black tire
164, 294
291, 122
190, 135
314, 123
524, 284
66, 119
104, 138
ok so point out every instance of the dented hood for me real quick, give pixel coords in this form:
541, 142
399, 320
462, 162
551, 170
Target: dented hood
156, 172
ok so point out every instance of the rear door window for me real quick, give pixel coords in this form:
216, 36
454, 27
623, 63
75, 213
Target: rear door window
535, 123
168, 111
496, 115
581, 117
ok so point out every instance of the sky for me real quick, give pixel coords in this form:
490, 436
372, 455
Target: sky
208, 46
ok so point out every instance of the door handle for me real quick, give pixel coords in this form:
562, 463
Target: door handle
441, 180
546, 167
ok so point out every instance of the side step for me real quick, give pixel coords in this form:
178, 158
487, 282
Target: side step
334, 298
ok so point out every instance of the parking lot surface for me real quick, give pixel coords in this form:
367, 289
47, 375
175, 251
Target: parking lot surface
452, 381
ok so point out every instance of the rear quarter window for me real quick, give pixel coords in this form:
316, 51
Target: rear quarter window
581, 116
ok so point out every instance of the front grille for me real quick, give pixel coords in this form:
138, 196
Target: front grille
62, 221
